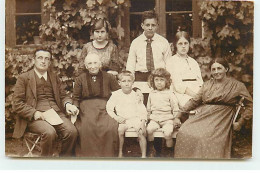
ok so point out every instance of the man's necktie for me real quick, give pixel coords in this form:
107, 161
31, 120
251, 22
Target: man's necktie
149, 56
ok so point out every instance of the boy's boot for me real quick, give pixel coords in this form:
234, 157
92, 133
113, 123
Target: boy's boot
169, 151
150, 149
158, 146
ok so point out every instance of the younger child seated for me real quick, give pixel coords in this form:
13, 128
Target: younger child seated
127, 108
162, 107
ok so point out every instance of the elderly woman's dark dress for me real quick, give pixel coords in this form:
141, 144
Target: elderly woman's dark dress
208, 134
97, 130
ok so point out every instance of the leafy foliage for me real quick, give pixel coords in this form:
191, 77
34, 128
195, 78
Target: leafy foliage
201, 51
65, 33
228, 25
69, 28
27, 28
228, 32
17, 61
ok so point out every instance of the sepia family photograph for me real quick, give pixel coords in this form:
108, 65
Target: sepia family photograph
129, 79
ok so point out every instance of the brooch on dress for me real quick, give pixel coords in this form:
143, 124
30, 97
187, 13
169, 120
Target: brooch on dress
94, 78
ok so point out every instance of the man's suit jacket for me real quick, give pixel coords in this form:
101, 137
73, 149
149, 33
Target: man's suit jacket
25, 99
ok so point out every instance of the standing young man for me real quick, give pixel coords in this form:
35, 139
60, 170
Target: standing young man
149, 50
36, 92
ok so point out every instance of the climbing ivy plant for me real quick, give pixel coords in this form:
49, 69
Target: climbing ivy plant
69, 28
228, 25
227, 31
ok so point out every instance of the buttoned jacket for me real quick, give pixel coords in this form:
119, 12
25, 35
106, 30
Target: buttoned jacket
25, 99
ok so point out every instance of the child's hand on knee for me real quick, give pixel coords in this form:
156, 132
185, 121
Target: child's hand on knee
142, 131
120, 120
176, 123
142, 128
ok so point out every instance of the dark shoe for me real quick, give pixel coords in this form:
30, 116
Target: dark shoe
150, 149
158, 146
157, 154
169, 152
152, 154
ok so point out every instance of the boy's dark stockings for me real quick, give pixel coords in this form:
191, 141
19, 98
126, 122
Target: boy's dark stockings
158, 146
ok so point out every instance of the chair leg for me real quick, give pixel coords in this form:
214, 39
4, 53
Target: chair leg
31, 142
29, 154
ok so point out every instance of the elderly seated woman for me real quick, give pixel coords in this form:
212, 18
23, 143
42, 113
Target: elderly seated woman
98, 135
209, 133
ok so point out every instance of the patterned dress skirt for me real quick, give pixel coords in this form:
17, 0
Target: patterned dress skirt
206, 135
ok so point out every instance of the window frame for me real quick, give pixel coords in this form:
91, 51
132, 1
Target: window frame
160, 8
10, 21
10, 34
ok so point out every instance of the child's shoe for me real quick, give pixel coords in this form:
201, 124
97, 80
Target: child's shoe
151, 150
169, 151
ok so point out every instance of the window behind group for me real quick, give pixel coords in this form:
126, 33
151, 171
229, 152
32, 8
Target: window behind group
178, 17
136, 10
27, 21
174, 15
23, 18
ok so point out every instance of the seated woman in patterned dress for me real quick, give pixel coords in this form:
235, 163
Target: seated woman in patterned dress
208, 134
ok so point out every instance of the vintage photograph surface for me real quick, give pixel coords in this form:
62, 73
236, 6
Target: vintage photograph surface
129, 79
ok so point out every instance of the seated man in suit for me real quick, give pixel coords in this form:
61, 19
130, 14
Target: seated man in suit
37, 91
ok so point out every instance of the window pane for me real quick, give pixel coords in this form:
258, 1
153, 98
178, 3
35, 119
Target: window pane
28, 6
142, 5
26, 28
176, 22
178, 5
135, 26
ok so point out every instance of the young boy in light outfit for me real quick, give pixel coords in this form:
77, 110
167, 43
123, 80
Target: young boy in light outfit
127, 108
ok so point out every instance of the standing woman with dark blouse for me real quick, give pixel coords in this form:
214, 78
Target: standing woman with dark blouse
97, 130
102, 46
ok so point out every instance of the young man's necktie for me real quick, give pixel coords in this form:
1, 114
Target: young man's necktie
149, 55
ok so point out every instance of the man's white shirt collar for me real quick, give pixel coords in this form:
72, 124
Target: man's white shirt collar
40, 75
153, 38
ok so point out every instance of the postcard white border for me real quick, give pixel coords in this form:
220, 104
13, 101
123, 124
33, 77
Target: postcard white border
254, 163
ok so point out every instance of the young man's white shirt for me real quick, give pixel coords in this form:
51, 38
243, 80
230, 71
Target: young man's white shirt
137, 54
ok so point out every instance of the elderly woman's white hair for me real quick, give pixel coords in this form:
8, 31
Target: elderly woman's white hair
92, 55
93, 63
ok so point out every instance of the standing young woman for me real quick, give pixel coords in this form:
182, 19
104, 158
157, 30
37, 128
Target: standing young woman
184, 70
102, 46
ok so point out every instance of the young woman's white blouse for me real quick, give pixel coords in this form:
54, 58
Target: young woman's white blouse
185, 73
